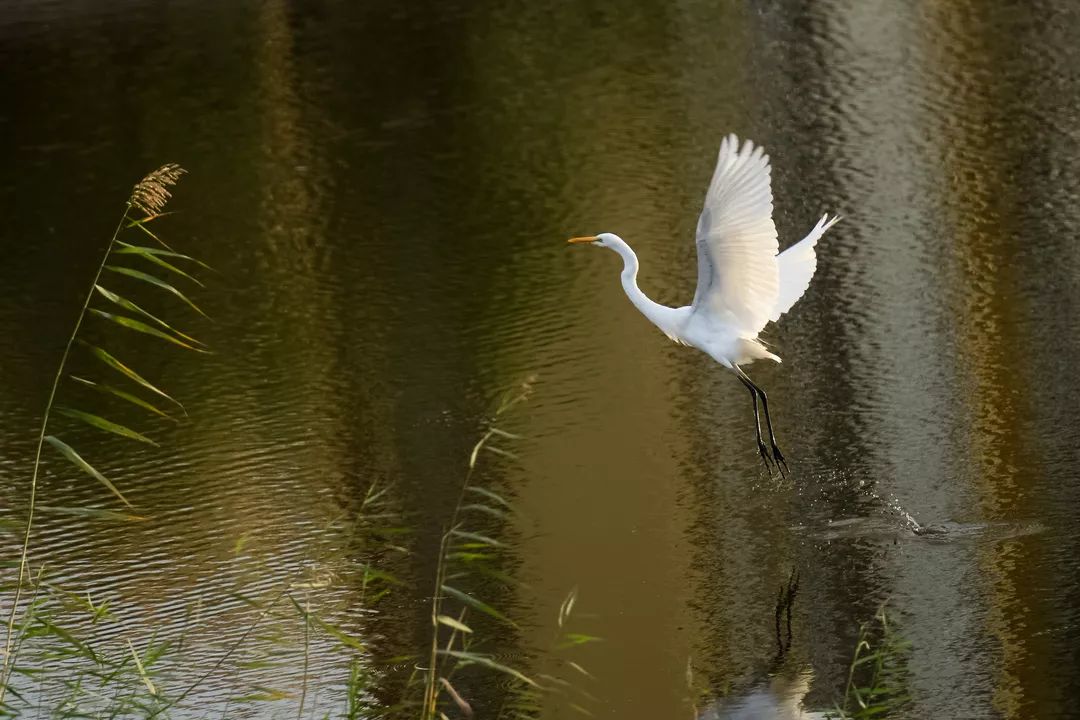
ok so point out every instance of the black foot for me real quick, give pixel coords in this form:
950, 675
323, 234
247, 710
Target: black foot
778, 458
763, 451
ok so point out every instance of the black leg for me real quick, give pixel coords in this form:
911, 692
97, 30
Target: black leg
757, 422
778, 457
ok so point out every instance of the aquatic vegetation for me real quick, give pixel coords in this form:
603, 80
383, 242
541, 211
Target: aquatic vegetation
469, 550
68, 654
126, 262
76, 663
876, 677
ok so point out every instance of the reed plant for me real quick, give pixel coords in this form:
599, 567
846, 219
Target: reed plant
68, 654
469, 560
151, 678
134, 257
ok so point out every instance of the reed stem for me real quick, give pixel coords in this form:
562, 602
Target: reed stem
6, 666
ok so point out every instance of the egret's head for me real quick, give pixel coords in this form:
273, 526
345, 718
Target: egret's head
601, 240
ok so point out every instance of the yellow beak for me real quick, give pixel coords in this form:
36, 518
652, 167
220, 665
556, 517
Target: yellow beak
589, 239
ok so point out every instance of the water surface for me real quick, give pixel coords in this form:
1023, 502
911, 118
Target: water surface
384, 190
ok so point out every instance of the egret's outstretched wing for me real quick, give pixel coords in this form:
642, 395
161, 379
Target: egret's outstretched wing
736, 240
796, 266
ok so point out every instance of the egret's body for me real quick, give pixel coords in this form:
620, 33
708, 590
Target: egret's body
743, 283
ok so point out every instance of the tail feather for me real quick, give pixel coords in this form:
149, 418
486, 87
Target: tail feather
754, 349
796, 267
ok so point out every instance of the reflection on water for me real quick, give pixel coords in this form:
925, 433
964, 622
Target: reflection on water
384, 191
779, 697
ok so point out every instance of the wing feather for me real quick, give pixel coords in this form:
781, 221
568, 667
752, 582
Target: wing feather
738, 279
796, 267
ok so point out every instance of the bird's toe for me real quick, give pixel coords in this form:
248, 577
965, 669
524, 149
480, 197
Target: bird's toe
764, 452
778, 458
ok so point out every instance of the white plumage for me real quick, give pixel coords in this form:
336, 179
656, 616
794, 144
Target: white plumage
796, 267
743, 283
736, 240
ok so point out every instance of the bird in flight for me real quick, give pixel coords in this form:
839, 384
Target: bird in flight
743, 283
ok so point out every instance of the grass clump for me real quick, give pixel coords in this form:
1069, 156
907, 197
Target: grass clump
877, 673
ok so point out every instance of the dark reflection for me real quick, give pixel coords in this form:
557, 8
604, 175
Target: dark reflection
384, 191
992, 271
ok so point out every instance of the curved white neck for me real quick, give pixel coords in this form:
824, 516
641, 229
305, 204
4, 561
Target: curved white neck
659, 315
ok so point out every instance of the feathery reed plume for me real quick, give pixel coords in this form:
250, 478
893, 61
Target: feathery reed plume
152, 192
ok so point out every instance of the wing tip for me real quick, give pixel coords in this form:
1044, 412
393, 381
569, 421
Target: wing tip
746, 146
825, 223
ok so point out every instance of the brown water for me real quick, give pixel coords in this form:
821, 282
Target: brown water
384, 191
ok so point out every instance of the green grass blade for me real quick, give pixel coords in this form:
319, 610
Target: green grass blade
128, 248
132, 222
500, 451
477, 537
154, 255
69, 452
155, 281
107, 425
132, 307
573, 639
456, 624
342, 636
488, 663
142, 327
507, 435
141, 225
82, 649
491, 496
567, 606
331, 629
133, 399
483, 568
142, 671
581, 670
156, 652
115, 364
477, 604
486, 509
263, 694
7, 709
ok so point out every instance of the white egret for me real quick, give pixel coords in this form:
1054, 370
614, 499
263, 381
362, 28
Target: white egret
743, 283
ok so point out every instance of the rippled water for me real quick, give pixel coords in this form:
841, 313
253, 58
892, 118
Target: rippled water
384, 191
